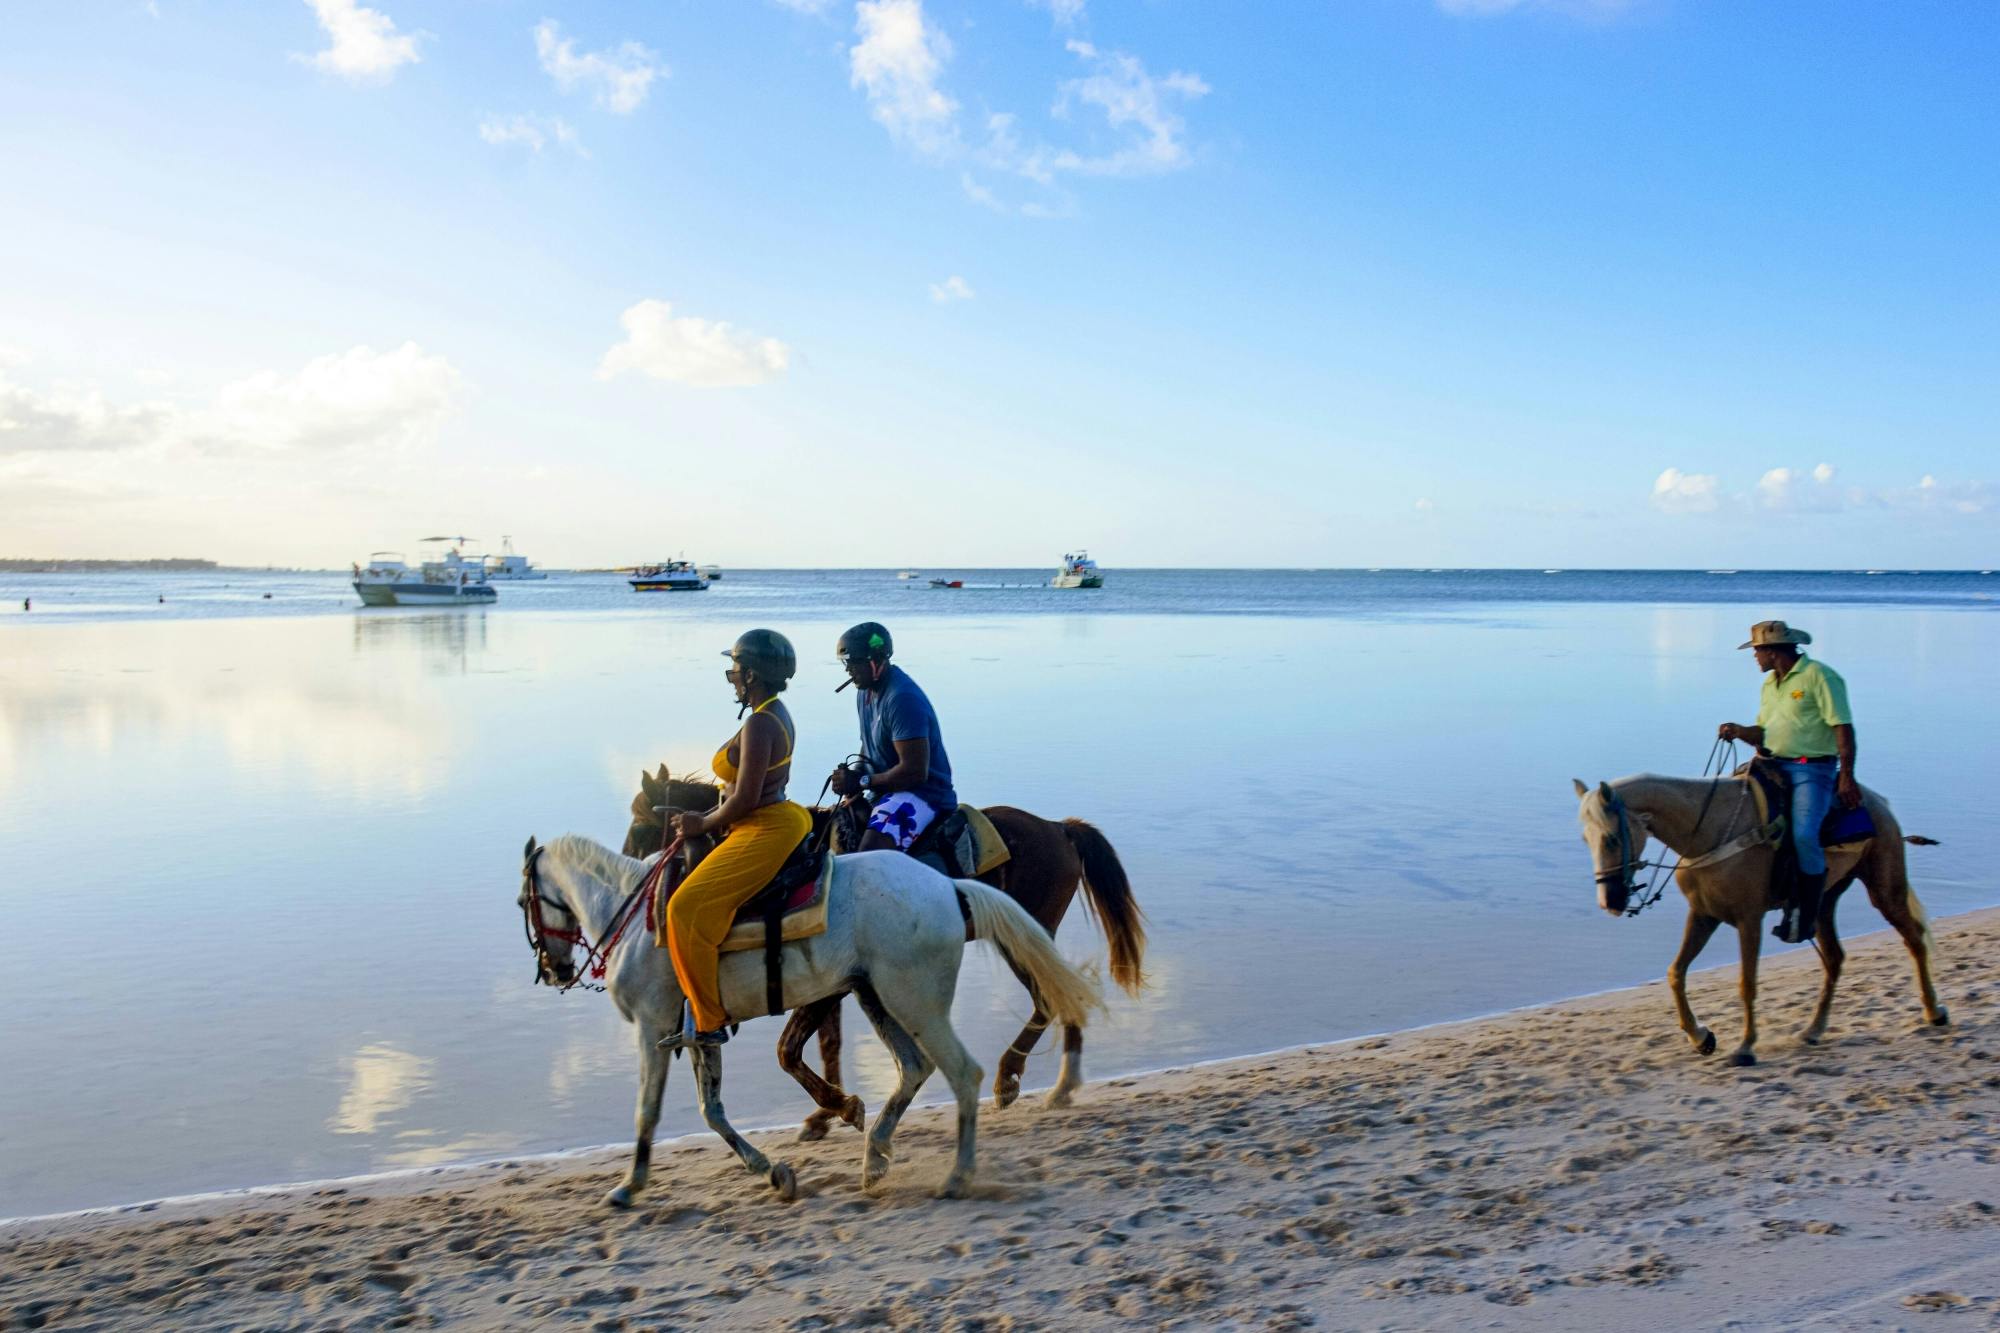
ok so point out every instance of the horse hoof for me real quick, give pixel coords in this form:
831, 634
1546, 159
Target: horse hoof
854, 1113
1809, 1038
957, 1187
1005, 1092
1707, 1045
619, 1197
1742, 1059
815, 1127
785, 1182
1057, 1099
1943, 1019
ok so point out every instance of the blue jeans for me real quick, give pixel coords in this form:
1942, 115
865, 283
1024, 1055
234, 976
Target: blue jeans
1812, 798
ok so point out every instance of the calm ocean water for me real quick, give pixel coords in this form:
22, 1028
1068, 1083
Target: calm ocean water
262, 855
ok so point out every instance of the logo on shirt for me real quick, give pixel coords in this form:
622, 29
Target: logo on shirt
1798, 694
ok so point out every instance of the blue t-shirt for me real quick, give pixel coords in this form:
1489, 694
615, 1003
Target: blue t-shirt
898, 711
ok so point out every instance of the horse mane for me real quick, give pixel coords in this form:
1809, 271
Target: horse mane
594, 857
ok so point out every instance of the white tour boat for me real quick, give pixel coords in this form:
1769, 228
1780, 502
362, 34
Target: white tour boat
451, 580
668, 576
1078, 571
508, 567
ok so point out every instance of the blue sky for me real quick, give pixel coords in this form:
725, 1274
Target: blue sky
1568, 282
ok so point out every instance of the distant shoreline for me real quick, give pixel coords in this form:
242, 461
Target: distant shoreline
170, 565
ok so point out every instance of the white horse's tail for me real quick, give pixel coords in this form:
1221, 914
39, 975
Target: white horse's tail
1066, 993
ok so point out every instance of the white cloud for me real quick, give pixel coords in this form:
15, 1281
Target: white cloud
364, 43
67, 419
806, 6
533, 133
358, 397
1793, 490
1958, 497
1823, 473
1134, 103
619, 78
1678, 492
1424, 506
692, 351
953, 288
353, 399
1066, 13
896, 64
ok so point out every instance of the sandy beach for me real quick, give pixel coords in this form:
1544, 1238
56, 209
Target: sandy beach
1569, 1166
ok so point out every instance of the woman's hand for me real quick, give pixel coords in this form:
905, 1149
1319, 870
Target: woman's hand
691, 824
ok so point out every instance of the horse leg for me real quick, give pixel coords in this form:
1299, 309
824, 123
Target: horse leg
921, 1007
1693, 940
1831, 956
1071, 1076
1014, 1060
653, 1064
707, 1061
912, 1068
832, 1103
1750, 939
1899, 905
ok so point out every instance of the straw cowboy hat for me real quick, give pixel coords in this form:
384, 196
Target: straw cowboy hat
1774, 633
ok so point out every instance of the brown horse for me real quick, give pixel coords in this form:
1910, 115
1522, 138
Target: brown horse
1725, 873
1049, 860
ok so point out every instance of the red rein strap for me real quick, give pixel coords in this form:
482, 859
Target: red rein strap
600, 956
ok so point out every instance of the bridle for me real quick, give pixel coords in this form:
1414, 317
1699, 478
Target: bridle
597, 957
1638, 897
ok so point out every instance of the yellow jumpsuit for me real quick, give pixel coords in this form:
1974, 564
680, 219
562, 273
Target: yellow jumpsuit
703, 908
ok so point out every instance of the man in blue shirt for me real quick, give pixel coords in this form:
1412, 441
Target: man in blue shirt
905, 770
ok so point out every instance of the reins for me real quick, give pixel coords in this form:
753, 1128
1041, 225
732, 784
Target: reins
597, 957
1721, 761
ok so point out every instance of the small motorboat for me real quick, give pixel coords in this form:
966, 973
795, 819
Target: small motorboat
507, 567
947, 583
668, 576
1078, 570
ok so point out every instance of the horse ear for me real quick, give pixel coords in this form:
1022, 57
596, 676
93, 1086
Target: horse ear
529, 850
1581, 790
663, 774
1604, 790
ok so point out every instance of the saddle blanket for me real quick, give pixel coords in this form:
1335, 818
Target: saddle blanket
805, 914
988, 848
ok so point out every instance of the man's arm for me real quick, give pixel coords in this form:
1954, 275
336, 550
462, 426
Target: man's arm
1736, 731
912, 766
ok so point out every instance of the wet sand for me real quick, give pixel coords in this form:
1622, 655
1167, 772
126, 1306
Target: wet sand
1573, 1166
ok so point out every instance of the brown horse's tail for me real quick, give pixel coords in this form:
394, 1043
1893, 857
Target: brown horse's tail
1109, 895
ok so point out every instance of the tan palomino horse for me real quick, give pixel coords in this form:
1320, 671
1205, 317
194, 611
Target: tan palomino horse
1725, 873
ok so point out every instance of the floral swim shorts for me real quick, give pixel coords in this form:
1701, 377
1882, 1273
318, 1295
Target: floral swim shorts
903, 817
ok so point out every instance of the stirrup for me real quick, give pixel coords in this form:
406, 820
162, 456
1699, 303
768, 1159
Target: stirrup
687, 1036
1787, 929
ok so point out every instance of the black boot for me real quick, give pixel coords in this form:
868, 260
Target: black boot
1801, 920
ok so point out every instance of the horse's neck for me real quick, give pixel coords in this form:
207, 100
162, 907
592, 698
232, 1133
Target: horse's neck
1689, 815
591, 900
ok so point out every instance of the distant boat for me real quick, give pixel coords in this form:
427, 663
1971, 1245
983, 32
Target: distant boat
1078, 570
1552, 571
451, 580
710, 572
508, 567
906, 573
947, 583
668, 576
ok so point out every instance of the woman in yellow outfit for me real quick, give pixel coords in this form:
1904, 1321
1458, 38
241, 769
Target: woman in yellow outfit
762, 829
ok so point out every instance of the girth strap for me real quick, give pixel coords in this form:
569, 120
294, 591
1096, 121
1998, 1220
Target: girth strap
774, 954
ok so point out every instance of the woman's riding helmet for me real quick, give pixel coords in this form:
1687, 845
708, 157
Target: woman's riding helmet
767, 653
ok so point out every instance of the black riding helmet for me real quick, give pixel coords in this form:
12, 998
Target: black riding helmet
768, 654
867, 639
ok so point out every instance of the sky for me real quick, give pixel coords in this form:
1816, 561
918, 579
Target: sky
935, 282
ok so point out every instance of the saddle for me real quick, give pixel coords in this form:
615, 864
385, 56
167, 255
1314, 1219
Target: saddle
962, 845
1772, 791
791, 907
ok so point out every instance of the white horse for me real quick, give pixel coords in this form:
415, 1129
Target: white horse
895, 934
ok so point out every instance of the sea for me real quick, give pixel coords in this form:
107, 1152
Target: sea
260, 846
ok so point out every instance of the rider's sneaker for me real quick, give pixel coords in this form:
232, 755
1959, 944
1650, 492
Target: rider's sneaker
687, 1037
1787, 928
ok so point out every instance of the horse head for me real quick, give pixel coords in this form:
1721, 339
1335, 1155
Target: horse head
549, 922
1616, 835
658, 799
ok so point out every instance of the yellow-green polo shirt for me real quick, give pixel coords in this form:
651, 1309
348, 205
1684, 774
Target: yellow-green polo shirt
1798, 714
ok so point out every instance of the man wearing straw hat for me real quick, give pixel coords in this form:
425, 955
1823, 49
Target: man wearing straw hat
1804, 723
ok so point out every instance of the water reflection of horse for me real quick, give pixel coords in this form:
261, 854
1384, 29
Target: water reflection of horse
1725, 873
1049, 860
895, 934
